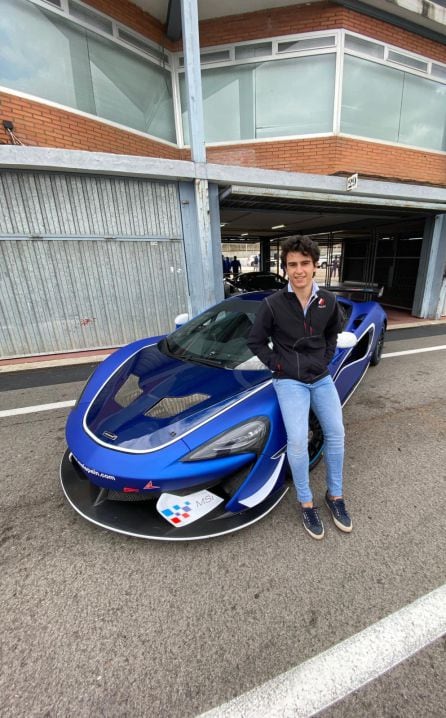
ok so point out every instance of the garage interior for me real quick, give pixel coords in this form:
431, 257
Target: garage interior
380, 246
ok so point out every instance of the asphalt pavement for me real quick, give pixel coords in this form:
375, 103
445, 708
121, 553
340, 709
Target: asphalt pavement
98, 624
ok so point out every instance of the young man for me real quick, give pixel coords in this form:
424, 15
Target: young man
303, 321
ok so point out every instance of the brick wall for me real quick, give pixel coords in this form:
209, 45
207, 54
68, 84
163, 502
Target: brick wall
39, 125
336, 155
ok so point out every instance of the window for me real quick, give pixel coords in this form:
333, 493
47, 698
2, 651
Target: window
401, 59
309, 43
439, 71
228, 102
90, 17
46, 55
242, 52
268, 99
142, 44
295, 97
393, 105
130, 90
359, 44
371, 99
423, 113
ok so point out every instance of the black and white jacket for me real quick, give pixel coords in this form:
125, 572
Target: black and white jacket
302, 344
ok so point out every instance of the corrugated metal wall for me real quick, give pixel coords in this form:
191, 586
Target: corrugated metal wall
87, 262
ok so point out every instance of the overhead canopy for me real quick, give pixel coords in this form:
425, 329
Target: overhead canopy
254, 213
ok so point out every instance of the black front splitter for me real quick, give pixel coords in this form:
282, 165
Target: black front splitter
141, 519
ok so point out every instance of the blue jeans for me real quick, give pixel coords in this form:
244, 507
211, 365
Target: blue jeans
295, 400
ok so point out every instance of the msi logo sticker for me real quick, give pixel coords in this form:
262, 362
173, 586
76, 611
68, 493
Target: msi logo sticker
184, 510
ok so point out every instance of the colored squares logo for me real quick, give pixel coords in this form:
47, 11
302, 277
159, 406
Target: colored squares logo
177, 513
180, 511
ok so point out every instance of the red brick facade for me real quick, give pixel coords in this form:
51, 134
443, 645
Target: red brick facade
336, 155
39, 124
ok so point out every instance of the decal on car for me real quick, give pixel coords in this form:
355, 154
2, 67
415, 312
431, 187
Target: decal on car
93, 472
183, 510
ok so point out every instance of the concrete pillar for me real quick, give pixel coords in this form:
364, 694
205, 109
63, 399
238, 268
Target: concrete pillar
199, 200
431, 268
202, 244
265, 255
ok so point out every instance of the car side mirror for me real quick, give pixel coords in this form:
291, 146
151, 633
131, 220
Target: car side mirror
181, 319
346, 340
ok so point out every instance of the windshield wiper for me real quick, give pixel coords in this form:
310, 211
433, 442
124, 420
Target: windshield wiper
177, 353
204, 360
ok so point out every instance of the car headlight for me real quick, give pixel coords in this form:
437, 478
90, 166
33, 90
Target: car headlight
246, 437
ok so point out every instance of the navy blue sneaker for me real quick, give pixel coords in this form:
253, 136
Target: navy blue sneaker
339, 513
312, 522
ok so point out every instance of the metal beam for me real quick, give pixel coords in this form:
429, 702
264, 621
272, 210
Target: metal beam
243, 180
201, 215
203, 254
191, 45
431, 268
173, 22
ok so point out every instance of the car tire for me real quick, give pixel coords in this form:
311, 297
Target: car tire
378, 350
315, 441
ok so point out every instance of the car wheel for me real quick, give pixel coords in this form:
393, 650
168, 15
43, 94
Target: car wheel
378, 350
315, 441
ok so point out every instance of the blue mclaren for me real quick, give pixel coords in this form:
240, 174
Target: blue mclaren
180, 437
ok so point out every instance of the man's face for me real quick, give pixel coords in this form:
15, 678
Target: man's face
300, 269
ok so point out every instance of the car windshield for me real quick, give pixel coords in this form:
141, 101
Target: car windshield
217, 337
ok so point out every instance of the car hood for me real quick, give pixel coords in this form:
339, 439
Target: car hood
153, 399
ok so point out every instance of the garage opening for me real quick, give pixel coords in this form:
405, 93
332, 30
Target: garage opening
370, 246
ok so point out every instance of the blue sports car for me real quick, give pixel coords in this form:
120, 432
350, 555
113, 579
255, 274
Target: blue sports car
180, 437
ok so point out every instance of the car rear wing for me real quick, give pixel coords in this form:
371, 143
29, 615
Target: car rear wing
359, 291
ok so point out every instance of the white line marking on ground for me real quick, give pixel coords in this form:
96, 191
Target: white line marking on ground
414, 351
65, 404
33, 409
334, 674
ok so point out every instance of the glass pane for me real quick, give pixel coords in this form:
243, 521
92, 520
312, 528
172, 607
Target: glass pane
423, 113
90, 17
407, 60
439, 71
310, 43
129, 90
44, 55
367, 48
142, 44
228, 103
371, 99
217, 56
53, 58
260, 48
295, 97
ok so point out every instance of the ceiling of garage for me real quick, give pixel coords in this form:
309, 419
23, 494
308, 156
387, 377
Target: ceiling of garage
250, 218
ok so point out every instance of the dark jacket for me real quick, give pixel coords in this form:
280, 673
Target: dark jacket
303, 346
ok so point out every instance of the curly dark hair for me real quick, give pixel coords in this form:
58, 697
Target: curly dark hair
299, 243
